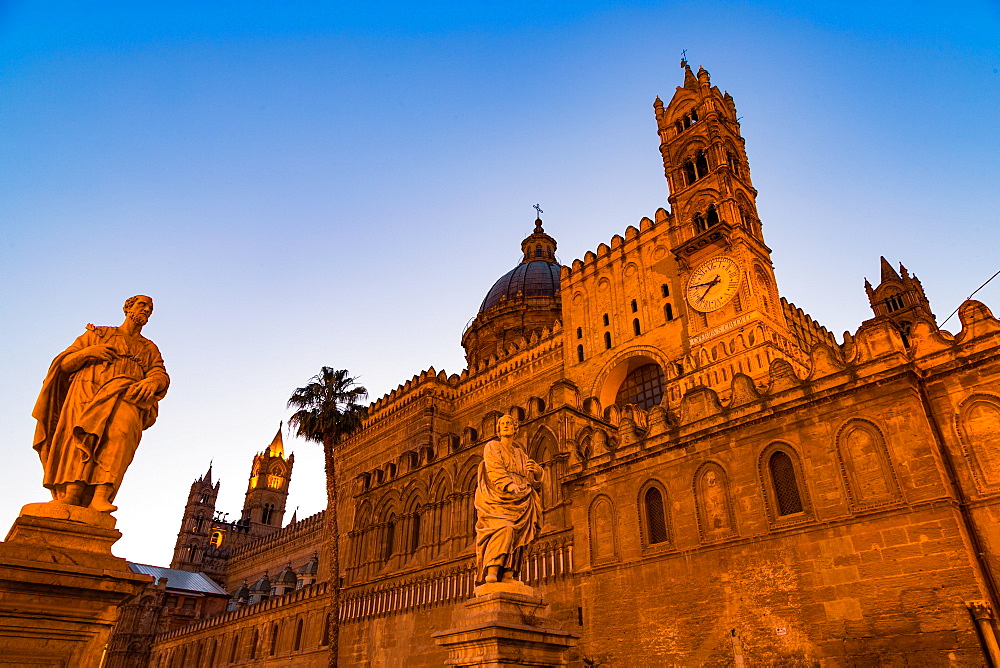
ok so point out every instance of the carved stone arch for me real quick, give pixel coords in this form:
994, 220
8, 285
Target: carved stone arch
783, 482
653, 506
408, 461
686, 150
611, 375
543, 439
414, 493
387, 505
277, 468
977, 422
363, 516
592, 406
602, 525
469, 436
466, 479
441, 486
544, 449
449, 443
517, 413
714, 502
865, 464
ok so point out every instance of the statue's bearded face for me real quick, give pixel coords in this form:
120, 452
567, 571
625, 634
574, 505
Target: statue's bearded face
139, 310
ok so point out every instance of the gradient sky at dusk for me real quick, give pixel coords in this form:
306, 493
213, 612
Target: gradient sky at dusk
312, 185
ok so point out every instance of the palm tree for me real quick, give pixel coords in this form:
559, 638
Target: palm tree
327, 412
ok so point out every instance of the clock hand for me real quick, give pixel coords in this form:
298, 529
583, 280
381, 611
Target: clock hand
710, 286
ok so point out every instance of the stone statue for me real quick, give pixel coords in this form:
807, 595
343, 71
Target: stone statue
508, 504
98, 397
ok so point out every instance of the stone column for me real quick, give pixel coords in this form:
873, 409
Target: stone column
982, 612
502, 626
60, 586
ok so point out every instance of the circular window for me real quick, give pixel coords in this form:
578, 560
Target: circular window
643, 387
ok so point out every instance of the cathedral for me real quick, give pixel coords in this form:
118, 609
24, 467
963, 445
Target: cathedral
725, 482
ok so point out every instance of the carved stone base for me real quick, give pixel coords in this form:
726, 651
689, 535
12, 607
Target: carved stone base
503, 627
60, 586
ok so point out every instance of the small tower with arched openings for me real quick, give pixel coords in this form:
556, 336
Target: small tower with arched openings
267, 490
196, 524
899, 297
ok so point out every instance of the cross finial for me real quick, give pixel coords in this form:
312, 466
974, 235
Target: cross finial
684, 57
538, 210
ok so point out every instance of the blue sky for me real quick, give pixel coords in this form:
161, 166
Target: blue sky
326, 184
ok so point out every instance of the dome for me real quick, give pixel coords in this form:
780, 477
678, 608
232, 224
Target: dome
536, 278
287, 577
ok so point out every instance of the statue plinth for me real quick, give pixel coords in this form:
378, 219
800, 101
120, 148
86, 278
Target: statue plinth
503, 626
60, 586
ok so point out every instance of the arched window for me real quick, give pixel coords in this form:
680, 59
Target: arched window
607, 340
643, 386
636, 327
579, 332
712, 216
668, 312
689, 173
326, 631
216, 538
274, 640
415, 530
265, 513
679, 126
786, 488
579, 353
656, 521
607, 321
538, 250
701, 164
603, 531
198, 519
253, 644
894, 302
699, 223
390, 537
665, 289
234, 648
298, 636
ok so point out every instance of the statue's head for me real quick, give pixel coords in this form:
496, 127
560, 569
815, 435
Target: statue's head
506, 425
138, 309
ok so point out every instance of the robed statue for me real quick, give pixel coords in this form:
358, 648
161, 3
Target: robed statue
508, 505
98, 397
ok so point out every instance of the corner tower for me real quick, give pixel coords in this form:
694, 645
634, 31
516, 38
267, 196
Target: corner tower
899, 297
267, 491
193, 536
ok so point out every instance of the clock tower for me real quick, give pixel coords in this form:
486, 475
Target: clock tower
736, 321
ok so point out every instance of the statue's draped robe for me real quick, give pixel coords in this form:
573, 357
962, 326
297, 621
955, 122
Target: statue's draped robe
508, 505
87, 430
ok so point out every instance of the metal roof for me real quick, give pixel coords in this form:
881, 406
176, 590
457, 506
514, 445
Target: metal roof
180, 580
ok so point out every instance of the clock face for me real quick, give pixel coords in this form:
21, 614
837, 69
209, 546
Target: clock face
713, 284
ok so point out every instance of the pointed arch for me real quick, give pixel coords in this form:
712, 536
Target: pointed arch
714, 502
654, 515
783, 482
977, 422
867, 470
603, 530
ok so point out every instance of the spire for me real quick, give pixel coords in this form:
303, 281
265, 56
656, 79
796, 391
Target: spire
295, 517
689, 80
207, 478
888, 273
277, 447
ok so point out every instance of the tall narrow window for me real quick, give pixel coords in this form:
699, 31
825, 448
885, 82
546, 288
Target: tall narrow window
699, 223
579, 353
579, 332
635, 306
656, 523
786, 488
636, 327
607, 340
415, 535
712, 216
665, 289
390, 538
298, 636
701, 164
668, 312
234, 648
274, 640
253, 644
607, 320
689, 174
326, 630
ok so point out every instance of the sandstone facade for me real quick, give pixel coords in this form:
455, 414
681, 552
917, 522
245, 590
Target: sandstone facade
725, 481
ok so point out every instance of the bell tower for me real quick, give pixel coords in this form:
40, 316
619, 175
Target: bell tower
196, 524
267, 491
736, 321
899, 297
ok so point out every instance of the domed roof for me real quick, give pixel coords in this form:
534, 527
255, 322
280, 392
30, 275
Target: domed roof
287, 577
535, 278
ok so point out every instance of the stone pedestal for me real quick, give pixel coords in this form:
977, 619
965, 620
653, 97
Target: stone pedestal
60, 586
503, 626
